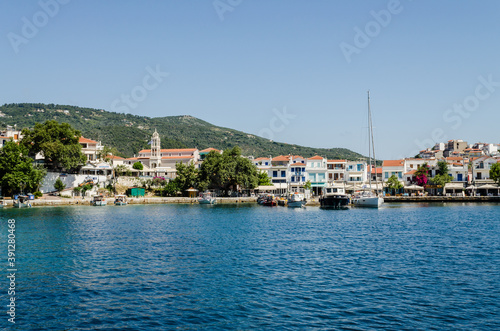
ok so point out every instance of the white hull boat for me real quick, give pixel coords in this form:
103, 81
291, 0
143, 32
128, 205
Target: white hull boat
206, 199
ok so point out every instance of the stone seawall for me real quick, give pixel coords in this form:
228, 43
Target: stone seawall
442, 199
142, 200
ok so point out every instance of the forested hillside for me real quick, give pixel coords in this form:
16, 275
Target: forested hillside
131, 133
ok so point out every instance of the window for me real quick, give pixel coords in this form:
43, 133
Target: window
360, 167
283, 173
275, 173
267, 163
400, 175
386, 175
303, 178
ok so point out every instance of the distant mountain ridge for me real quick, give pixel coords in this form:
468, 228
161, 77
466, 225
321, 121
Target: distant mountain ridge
130, 133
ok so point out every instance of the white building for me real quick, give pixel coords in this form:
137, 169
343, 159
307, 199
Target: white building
8, 134
336, 170
91, 148
356, 171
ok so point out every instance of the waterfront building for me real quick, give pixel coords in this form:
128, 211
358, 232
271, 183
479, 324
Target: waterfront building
317, 169
298, 172
393, 167
356, 172
336, 170
481, 169
91, 149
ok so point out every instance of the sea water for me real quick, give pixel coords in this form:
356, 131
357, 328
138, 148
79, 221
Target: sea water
249, 267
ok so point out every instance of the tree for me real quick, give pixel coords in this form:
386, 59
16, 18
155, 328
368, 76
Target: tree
16, 170
394, 184
170, 189
495, 172
441, 180
138, 165
264, 179
59, 185
308, 185
58, 143
421, 174
121, 170
228, 171
187, 176
442, 168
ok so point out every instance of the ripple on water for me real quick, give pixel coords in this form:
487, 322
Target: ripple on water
248, 267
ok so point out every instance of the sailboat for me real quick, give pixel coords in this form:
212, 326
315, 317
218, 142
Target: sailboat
369, 198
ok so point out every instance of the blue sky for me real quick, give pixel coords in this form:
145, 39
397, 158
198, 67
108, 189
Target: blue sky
294, 71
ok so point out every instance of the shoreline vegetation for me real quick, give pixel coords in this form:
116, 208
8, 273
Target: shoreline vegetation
245, 200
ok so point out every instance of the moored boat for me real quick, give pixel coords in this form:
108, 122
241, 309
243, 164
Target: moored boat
369, 198
120, 200
22, 201
296, 200
98, 200
334, 198
206, 198
2, 203
269, 201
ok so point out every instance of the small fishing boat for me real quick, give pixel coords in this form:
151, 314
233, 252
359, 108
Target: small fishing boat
2, 203
98, 200
281, 201
269, 201
296, 200
120, 200
22, 201
206, 199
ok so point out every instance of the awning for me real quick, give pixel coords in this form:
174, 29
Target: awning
414, 188
266, 188
488, 187
454, 186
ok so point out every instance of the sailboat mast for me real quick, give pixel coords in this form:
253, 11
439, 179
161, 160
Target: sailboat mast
369, 143
373, 143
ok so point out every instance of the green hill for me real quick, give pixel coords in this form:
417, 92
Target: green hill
131, 133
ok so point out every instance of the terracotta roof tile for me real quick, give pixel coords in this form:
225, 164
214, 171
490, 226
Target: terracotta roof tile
83, 140
393, 163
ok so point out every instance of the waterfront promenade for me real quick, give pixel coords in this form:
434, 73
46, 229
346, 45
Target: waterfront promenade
244, 200
141, 200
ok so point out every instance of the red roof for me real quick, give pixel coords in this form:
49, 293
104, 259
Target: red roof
114, 157
206, 150
281, 158
336, 161
83, 140
261, 158
411, 172
316, 157
455, 158
176, 157
179, 150
298, 164
393, 163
